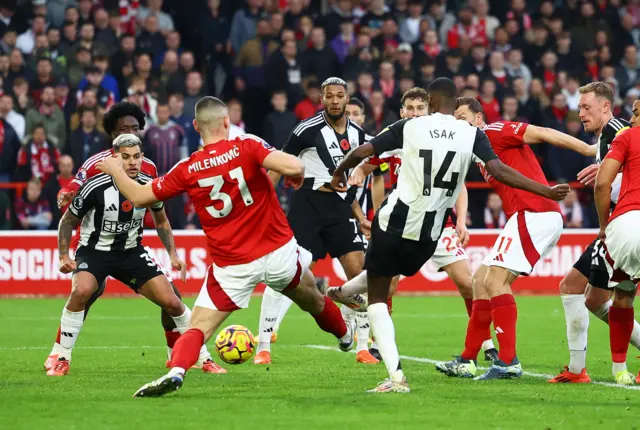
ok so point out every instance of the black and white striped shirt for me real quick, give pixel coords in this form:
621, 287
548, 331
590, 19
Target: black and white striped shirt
614, 127
109, 220
321, 148
437, 151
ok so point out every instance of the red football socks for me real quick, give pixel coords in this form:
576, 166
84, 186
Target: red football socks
172, 337
620, 328
505, 314
469, 305
390, 305
58, 335
478, 329
330, 319
187, 349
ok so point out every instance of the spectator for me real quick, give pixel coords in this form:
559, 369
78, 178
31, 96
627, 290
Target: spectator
44, 78
6, 218
68, 39
57, 56
284, 71
404, 61
77, 69
439, 19
125, 54
154, 9
214, 31
4, 67
11, 117
84, 11
375, 17
380, 117
489, 101
9, 148
7, 9
37, 159
26, 41
564, 164
8, 42
497, 71
494, 216
21, 100
388, 40
536, 49
341, 10
94, 78
176, 106
49, 115
279, 123
86, 140
311, 104
294, 13
571, 93
555, 114
510, 108
87, 38
104, 33
363, 60
628, 71
345, 41
56, 183
427, 73
108, 81
150, 39
243, 25
249, 67
485, 23
410, 27
538, 93
527, 106
516, 68
303, 33
144, 71
566, 56
320, 60
33, 210
583, 33
235, 114
89, 101
502, 41
572, 212
519, 13
193, 93
478, 61
548, 72
165, 142
387, 80
139, 95
466, 28
65, 103
453, 61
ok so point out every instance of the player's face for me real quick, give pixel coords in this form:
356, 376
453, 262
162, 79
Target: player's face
635, 117
126, 124
413, 108
355, 114
335, 101
131, 160
592, 111
465, 114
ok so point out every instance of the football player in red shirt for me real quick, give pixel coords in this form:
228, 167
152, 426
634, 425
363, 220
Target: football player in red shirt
622, 240
248, 237
534, 227
123, 118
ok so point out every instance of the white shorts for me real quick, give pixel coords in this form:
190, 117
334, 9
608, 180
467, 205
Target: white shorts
622, 247
229, 288
447, 251
527, 237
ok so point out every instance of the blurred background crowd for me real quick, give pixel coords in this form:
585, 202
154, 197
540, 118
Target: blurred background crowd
63, 63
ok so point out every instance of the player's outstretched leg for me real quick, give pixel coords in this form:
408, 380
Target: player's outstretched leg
204, 323
269, 311
504, 314
621, 317
374, 351
84, 285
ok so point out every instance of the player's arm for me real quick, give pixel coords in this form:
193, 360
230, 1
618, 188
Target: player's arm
68, 223
363, 222
360, 173
165, 233
606, 175
462, 206
141, 196
505, 174
534, 135
292, 147
283, 164
377, 192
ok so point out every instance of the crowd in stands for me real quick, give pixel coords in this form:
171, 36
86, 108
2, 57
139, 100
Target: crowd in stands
63, 63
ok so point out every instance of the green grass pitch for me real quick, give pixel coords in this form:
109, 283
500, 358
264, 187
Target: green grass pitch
121, 347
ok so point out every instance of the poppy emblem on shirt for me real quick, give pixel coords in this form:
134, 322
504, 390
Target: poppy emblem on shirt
127, 206
345, 145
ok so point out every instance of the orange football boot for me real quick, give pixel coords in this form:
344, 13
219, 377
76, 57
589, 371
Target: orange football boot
60, 368
210, 366
51, 361
365, 357
263, 357
572, 378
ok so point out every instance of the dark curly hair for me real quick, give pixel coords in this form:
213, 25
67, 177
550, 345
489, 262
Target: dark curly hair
120, 110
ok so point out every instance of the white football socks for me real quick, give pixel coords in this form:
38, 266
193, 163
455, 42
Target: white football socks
183, 321
487, 345
357, 285
618, 367
577, 319
363, 328
383, 330
285, 304
269, 310
70, 326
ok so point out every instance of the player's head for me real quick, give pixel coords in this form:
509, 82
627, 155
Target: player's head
595, 103
355, 111
470, 110
212, 120
334, 97
414, 103
129, 146
635, 114
441, 96
124, 117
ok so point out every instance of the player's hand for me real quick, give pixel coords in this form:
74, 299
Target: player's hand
181, 266
357, 177
67, 265
602, 235
110, 165
64, 198
294, 182
559, 192
463, 235
365, 228
339, 183
587, 176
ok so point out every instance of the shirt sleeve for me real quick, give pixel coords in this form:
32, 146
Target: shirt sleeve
257, 148
295, 144
84, 200
389, 139
173, 183
510, 136
619, 147
482, 149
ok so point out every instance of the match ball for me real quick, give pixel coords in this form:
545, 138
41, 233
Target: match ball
235, 344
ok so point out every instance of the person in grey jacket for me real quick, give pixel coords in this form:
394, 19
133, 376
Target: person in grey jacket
243, 25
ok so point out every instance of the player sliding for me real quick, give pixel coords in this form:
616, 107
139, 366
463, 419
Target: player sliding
621, 237
248, 237
436, 153
125, 117
449, 255
587, 285
533, 229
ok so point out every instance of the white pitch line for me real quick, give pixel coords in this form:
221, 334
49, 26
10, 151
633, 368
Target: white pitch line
30, 348
532, 374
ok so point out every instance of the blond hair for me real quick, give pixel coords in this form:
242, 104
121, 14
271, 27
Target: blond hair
600, 89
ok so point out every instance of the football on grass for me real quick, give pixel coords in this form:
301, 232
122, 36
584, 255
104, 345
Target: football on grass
235, 344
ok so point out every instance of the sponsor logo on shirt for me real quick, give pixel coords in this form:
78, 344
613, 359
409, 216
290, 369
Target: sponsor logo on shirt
82, 175
120, 227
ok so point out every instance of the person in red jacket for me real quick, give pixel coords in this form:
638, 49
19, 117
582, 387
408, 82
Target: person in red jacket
311, 104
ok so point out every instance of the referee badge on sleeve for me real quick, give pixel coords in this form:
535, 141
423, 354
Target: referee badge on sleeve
78, 202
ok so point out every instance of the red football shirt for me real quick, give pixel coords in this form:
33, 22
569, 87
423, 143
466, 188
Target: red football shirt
233, 197
627, 152
507, 140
